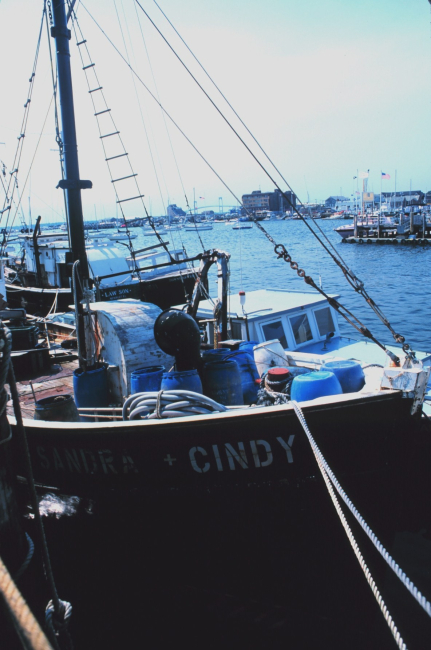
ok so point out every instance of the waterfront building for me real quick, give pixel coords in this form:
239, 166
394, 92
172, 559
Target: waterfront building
275, 201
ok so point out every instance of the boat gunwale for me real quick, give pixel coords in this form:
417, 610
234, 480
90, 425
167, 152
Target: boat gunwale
321, 403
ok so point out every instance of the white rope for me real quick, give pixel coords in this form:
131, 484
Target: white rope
329, 477
168, 404
417, 595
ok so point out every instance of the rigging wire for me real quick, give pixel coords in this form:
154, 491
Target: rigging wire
279, 249
356, 284
31, 164
163, 116
137, 98
76, 28
13, 182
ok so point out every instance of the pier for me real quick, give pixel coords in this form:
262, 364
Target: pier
396, 241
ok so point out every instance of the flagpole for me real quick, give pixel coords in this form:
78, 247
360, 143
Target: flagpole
380, 213
357, 190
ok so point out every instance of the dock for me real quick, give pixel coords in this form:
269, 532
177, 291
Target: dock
395, 241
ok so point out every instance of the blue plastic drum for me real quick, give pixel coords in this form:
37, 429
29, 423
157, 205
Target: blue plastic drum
247, 346
221, 381
314, 384
215, 355
348, 372
90, 387
248, 371
145, 379
182, 380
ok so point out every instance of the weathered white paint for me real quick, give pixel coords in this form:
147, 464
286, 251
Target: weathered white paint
125, 329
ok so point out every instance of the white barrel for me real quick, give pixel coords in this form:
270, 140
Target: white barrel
268, 355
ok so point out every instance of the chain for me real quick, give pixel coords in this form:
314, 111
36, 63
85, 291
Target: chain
282, 253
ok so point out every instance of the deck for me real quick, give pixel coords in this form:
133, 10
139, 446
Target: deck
55, 381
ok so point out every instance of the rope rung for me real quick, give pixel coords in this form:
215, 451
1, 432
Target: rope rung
132, 198
81, 43
107, 110
95, 89
107, 135
123, 178
90, 65
120, 155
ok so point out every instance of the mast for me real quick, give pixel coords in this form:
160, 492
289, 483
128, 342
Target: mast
71, 184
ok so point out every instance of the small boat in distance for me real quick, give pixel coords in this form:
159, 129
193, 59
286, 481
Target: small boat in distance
148, 231
198, 226
242, 225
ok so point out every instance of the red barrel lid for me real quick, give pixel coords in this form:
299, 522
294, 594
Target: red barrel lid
278, 374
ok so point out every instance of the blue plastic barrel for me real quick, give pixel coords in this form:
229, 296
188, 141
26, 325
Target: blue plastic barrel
215, 355
147, 378
182, 380
247, 346
221, 381
91, 386
314, 384
248, 371
348, 372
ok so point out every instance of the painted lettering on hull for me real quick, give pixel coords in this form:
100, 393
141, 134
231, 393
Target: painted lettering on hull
255, 454
86, 461
227, 457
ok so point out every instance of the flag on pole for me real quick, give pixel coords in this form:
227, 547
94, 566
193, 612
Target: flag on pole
385, 175
363, 175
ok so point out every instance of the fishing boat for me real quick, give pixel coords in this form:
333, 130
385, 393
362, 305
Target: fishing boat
43, 283
237, 483
219, 445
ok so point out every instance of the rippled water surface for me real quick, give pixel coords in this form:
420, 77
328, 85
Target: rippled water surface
396, 277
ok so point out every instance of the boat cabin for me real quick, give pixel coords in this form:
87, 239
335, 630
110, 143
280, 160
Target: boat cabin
299, 320
304, 323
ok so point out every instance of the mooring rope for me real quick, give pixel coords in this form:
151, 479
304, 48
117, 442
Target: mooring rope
62, 608
25, 623
331, 482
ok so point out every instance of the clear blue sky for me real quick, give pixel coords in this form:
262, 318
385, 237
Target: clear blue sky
327, 88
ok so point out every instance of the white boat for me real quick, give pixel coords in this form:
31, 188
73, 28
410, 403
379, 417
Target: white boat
122, 236
198, 226
153, 232
242, 225
174, 227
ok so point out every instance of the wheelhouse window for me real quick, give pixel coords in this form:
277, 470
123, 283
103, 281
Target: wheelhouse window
324, 321
301, 328
275, 330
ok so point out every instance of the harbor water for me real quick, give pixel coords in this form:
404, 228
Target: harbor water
137, 573
395, 277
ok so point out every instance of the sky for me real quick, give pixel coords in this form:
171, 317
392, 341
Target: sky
326, 88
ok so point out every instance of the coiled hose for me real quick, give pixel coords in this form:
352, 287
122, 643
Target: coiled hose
168, 404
